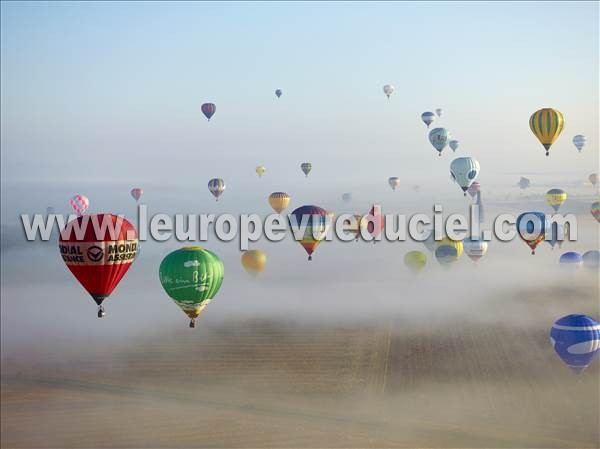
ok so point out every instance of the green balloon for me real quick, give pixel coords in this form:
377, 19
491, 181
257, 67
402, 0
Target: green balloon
191, 276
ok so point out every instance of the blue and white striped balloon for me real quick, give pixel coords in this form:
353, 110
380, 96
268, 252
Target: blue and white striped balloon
576, 340
571, 258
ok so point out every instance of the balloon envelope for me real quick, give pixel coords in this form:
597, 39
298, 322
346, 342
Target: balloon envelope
591, 259
191, 276
579, 141
547, 124
306, 167
531, 227
278, 92
415, 260
555, 198
260, 170
279, 201
576, 340
388, 90
438, 137
317, 223
79, 203
209, 109
99, 260
394, 182
454, 144
571, 258
254, 261
428, 118
137, 193
464, 170
216, 186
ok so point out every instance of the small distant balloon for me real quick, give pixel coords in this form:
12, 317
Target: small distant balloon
474, 189
531, 227
216, 186
556, 198
475, 249
571, 258
347, 197
388, 90
591, 259
137, 193
593, 178
428, 118
454, 144
306, 167
278, 92
209, 109
254, 261
317, 224
260, 170
279, 201
79, 203
394, 182
524, 183
579, 142
439, 111
576, 340
595, 210
415, 260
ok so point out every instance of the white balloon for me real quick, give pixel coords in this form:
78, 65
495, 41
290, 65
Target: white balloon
464, 170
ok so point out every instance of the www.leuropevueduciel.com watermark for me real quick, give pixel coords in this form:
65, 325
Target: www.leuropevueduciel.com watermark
345, 227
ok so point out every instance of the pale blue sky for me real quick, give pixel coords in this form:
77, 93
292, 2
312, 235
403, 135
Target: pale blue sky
111, 92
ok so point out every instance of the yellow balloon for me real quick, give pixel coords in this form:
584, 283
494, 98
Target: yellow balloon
547, 124
457, 244
279, 201
260, 170
415, 260
555, 198
254, 261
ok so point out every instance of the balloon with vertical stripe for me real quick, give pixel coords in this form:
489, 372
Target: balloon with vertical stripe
547, 124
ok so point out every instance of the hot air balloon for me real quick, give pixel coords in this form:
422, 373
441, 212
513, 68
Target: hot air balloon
579, 142
474, 189
524, 183
376, 225
260, 170
388, 89
279, 201
454, 144
99, 262
576, 340
209, 109
317, 224
216, 187
430, 242
80, 204
555, 198
438, 112
137, 193
347, 197
254, 261
547, 124
357, 225
531, 227
448, 251
593, 178
278, 93
415, 260
306, 167
596, 210
591, 259
475, 248
464, 170
571, 258
558, 234
49, 210
428, 118
394, 182
439, 139
191, 276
